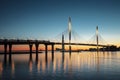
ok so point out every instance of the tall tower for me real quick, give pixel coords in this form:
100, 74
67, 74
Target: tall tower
97, 38
69, 30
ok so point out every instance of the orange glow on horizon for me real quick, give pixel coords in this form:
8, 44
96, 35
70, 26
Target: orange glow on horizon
42, 47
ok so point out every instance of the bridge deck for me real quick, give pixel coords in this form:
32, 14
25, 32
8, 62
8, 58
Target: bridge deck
26, 42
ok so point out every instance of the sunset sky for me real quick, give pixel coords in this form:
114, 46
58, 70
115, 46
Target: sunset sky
45, 19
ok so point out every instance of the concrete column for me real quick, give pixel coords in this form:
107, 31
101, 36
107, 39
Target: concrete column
70, 49
52, 51
46, 51
52, 48
30, 46
36, 45
63, 49
5, 48
46, 48
10, 51
10, 48
5, 52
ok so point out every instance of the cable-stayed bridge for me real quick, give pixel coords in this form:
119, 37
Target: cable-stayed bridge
69, 35
66, 38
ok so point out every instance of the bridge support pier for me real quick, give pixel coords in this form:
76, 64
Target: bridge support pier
10, 52
63, 48
52, 52
46, 48
36, 45
30, 46
5, 52
70, 49
5, 48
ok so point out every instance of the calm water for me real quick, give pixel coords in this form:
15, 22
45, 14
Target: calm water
81, 66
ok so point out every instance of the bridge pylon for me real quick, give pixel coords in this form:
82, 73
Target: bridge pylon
69, 30
97, 40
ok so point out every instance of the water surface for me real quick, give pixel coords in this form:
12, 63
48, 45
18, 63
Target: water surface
74, 66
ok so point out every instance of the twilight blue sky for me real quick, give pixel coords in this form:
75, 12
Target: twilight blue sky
45, 19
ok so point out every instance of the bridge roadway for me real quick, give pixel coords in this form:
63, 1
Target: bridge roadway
58, 43
27, 42
10, 42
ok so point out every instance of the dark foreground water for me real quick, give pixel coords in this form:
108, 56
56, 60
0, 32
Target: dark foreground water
77, 66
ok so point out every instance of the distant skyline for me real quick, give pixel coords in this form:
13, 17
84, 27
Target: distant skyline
45, 19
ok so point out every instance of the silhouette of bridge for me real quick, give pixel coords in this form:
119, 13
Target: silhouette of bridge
29, 42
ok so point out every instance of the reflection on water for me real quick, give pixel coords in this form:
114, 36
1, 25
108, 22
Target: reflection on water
83, 65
